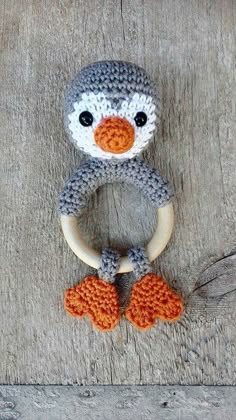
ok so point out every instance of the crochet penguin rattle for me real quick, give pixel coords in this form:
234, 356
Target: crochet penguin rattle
111, 113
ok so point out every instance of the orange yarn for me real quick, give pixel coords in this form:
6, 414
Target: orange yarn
152, 298
96, 298
114, 135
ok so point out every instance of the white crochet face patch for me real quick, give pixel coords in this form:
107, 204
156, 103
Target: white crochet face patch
99, 106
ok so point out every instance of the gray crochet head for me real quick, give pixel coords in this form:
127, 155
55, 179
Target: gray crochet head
111, 110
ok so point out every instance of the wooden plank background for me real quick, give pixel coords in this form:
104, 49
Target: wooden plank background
117, 402
188, 47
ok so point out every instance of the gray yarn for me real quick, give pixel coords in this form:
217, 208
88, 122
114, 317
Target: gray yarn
140, 261
118, 80
110, 263
97, 172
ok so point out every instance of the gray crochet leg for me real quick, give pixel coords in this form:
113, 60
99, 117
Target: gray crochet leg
110, 262
140, 261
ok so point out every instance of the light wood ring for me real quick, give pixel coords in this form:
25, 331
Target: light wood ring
92, 258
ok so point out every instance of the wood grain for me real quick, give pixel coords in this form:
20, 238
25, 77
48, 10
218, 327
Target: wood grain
119, 403
188, 47
218, 280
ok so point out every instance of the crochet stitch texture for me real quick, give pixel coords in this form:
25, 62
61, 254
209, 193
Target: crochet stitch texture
115, 135
151, 299
112, 110
111, 89
110, 262
115, 79
97, 299
95, 173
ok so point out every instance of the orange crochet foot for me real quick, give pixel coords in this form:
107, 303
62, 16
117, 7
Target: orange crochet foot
152, 298
96, 298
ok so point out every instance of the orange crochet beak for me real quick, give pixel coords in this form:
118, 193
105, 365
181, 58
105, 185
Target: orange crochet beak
114, 135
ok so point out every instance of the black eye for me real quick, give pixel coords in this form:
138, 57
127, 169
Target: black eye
86, 118
140, 119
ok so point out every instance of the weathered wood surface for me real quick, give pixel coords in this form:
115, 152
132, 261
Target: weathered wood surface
188, 47
117, 402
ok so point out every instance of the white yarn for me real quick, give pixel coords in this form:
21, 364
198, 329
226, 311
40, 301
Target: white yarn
101, 107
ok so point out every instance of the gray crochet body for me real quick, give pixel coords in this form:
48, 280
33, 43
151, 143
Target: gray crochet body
95, 173
124, 85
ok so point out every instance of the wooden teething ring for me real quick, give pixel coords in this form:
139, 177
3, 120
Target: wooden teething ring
91, 257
